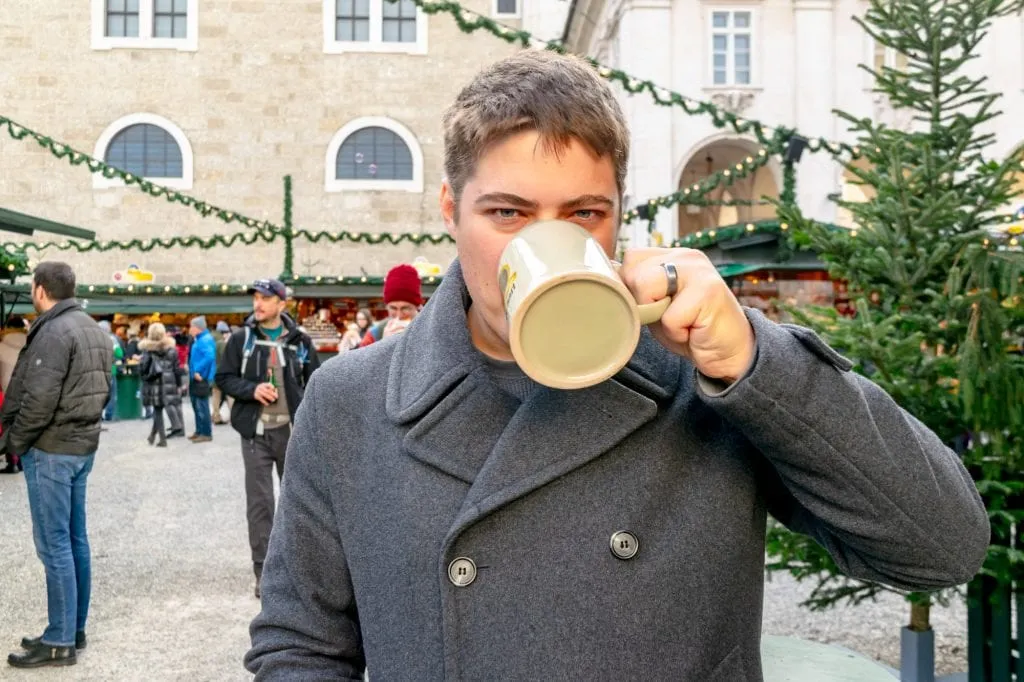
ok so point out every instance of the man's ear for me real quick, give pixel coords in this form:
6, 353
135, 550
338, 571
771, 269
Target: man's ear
449, 208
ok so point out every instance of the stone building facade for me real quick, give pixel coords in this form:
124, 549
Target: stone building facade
222, 99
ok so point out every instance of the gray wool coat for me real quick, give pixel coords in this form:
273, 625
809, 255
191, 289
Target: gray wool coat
406, 461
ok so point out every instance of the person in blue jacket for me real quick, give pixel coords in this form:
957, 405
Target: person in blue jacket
202, 365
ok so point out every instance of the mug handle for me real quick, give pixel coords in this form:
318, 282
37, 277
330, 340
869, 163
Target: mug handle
652, 312
649, 312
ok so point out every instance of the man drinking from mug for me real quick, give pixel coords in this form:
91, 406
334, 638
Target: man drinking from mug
445, 517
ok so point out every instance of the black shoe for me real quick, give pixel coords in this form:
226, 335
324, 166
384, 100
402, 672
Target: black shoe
11, 468
43, 655
31, 643
176, 433
162, 444
151, 439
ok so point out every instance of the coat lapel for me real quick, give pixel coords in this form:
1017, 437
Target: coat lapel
463, 425
556, 432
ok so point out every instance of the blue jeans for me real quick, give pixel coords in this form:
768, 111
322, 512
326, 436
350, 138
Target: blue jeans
56, 499
204, 420
110, 412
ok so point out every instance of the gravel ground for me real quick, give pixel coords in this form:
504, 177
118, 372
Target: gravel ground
172, 583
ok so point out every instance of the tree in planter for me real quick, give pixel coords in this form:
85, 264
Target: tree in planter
936, 288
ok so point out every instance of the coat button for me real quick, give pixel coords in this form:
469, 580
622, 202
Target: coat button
624, 545
462, 572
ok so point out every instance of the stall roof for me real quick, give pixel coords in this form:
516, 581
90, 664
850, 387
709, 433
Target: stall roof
21, 223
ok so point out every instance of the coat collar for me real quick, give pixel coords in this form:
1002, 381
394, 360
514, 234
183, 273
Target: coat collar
57, 310
462, 424
436, 353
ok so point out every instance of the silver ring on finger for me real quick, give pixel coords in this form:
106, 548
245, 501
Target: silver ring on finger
673, 279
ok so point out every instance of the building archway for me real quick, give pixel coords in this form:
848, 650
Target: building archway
715, 156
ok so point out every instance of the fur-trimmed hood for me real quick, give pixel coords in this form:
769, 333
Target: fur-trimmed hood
163, 344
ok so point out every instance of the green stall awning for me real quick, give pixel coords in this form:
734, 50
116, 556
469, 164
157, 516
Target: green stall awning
24, 224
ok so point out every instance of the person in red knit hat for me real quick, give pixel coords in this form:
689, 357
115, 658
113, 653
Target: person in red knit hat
404, 297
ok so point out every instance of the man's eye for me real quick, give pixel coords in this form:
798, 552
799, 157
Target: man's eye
587, 214
506, 213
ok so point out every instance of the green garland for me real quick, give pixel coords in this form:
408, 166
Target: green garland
144, 289
147, 245
707, 238
289, 234
787, 197
469, 21
77, 158
13, 264
245, 238
377, 238
698, 191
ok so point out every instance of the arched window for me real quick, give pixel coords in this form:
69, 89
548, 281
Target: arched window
147, 150
148, 146
374, 154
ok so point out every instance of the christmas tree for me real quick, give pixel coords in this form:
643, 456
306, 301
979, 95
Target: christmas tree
933, 272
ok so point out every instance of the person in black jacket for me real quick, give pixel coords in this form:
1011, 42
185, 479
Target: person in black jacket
162, 383
268, 354
51, 418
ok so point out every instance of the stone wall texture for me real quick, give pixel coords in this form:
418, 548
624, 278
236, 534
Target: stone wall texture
259, 99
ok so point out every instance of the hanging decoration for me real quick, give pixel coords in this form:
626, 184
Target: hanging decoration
77, 158
705, 238
13, 264
469, 21
696, 194
220, 240
145, 245
214, 289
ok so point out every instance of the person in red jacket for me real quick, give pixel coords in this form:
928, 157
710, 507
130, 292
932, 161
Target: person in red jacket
403, 296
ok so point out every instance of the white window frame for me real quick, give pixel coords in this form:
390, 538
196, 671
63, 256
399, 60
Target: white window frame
730, 66
507, 15
100, 181
333, 184
889, 59
376, 42
145, 39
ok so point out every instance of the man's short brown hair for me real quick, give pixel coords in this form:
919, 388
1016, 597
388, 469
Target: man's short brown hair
560, 96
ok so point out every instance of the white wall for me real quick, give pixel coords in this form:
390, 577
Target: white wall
805, 64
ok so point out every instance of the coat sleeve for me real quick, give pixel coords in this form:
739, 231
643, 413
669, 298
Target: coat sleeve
229, 372
864, 478
42, 382
205, 358
308, 628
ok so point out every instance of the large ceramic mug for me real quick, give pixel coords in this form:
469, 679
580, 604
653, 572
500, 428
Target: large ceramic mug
572, 322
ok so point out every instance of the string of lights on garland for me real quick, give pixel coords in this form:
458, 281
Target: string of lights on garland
469, 22
220, 240
62, 151
143, 289
706, 238
146, 245
13, 264
417, 238
710, 237
698, 191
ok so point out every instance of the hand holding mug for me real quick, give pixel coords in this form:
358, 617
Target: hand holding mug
704, 322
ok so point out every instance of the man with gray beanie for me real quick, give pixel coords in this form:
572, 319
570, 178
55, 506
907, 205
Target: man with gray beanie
202, 363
